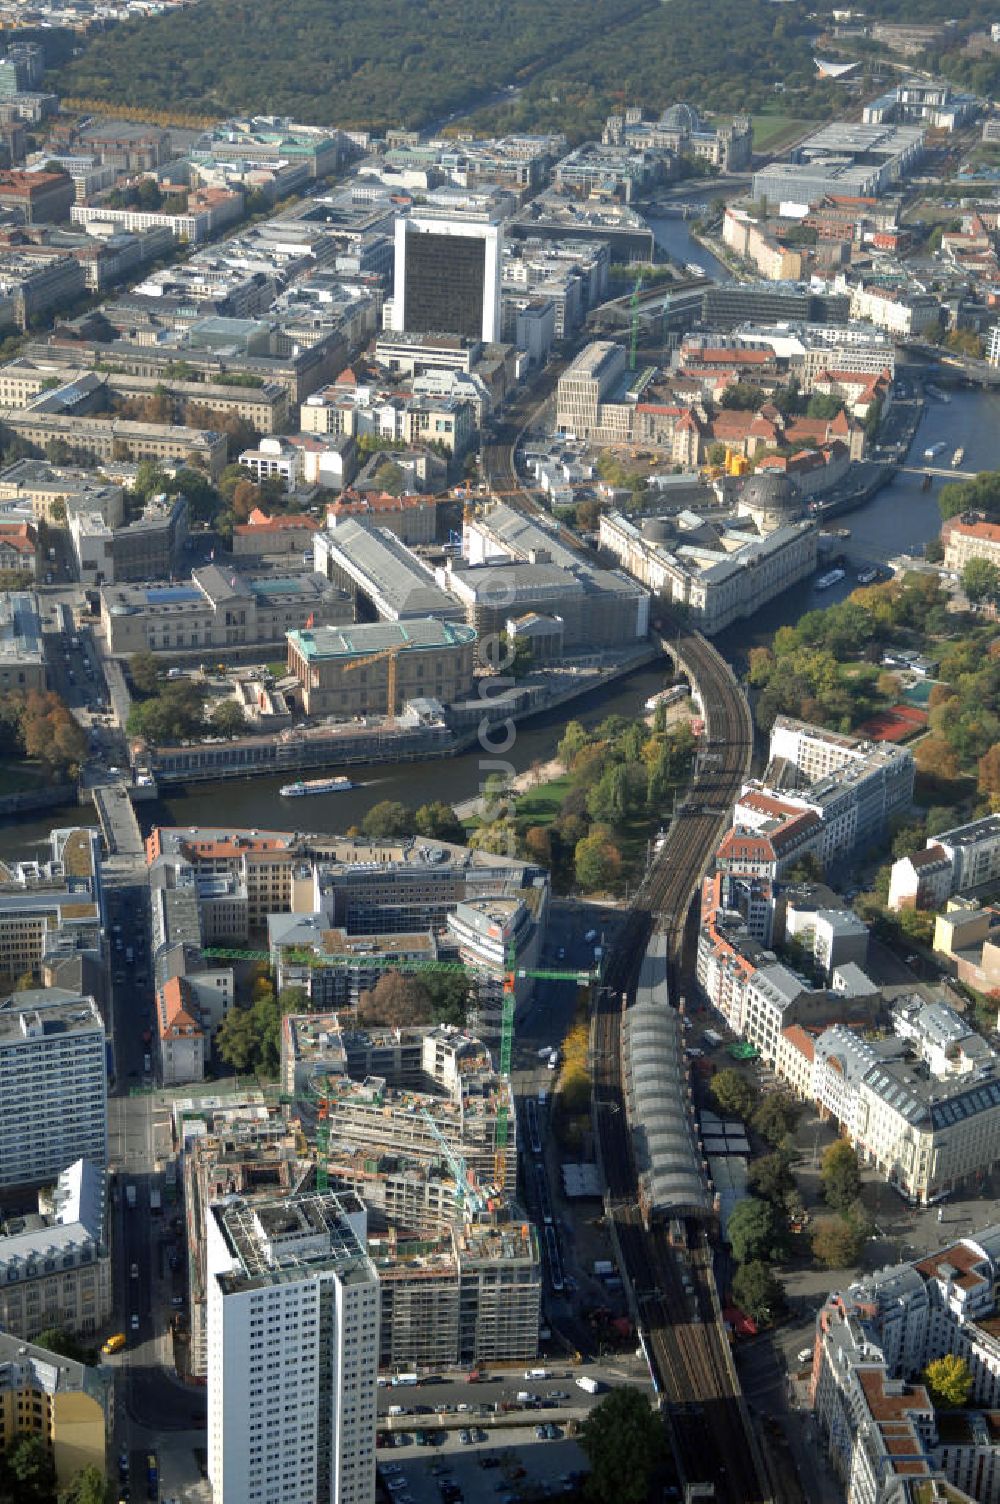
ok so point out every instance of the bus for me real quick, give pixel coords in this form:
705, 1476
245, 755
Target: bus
114, 1344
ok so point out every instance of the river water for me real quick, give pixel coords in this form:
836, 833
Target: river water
901, 518
257, 803
672, 236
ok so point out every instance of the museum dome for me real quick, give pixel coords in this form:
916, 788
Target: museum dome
770, 499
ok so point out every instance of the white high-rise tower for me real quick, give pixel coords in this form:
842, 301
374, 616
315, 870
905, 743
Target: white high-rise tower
293, 1343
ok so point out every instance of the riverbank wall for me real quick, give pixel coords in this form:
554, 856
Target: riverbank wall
346, 746
27, 801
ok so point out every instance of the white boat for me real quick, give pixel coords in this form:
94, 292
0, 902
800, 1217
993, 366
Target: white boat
304, 787
694, 270
933, 450
832, 577
957, 457
867, 576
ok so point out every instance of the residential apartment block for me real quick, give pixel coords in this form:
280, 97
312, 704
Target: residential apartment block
55, 1265
853, 785
954, 863
53, 1085
969, 537
63, 1402
293, 1338
886, 1441
922, 1106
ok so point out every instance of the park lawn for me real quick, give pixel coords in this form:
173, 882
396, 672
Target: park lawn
772, 132
540, 806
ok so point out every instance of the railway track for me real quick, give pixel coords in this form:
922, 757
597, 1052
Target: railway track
671, 1278
672, 1285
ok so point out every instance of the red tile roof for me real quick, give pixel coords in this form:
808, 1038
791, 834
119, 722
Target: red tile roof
19, 536
177, 1013
961, 1259
989, 531
259, 521
744, 846
350, 505
800, 1040
929, 855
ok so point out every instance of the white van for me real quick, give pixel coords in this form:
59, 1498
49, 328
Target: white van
537, 1373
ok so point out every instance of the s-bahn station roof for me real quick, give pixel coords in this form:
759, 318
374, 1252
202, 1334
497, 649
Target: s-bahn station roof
656, 1098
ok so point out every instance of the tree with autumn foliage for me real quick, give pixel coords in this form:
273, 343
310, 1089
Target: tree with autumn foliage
395, 1001
47, 731
988, 769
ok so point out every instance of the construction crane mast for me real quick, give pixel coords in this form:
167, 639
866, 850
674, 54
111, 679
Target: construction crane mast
469, 1194
386, 653
633, 345
508, 1001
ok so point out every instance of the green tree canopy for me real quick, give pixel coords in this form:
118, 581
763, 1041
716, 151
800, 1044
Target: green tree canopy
235, 1040
573, 741
776, 1116
981, 581
744, 396
753, 1231
88, 1487
144, 671
734, 1092
836, 1241
227, 718
438, 822
771, 1178
840, 1176
598, 861
396, 1000
27, 1472
65, 1344
448, 994
624, 1442
387, 819
757, 1290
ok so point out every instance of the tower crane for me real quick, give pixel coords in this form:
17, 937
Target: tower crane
633, 344
512, 975
469, 1194
384, 653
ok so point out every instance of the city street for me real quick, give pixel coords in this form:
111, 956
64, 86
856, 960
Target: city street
151, 1403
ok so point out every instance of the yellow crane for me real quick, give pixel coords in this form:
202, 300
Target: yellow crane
385, 653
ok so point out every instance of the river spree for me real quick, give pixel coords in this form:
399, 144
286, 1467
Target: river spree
901, 518
256, 803
672, 235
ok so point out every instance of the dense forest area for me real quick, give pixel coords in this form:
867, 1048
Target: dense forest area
752, 56
354, 63
382, 63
